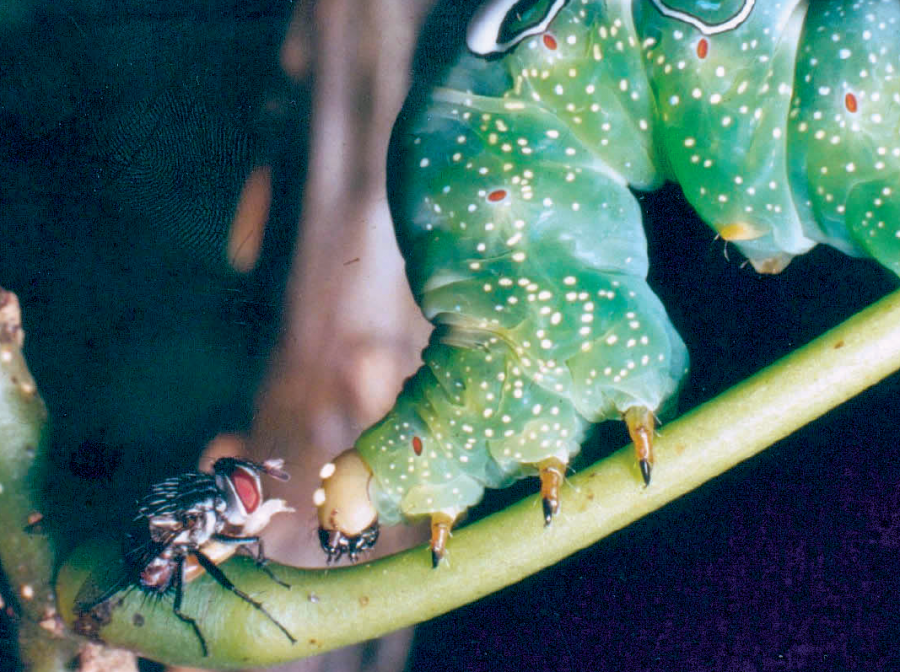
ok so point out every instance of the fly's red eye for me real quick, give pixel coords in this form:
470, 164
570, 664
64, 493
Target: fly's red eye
549, 41
246, 487
417, 445
496, 195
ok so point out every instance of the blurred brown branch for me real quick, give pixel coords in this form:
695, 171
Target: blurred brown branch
353, 331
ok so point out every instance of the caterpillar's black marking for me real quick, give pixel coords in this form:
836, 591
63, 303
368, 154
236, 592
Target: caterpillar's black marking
733, 22
501, 25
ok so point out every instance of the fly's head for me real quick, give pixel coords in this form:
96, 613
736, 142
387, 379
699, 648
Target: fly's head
247, 511
348, 521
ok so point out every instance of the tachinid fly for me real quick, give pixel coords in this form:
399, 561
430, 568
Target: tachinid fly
185, 525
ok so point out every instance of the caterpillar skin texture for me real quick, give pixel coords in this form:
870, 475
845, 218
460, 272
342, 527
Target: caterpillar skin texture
524, 243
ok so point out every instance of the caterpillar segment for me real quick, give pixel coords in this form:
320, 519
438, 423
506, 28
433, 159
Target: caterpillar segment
511, 181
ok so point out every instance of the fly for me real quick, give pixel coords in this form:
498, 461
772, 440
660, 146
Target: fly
186, 525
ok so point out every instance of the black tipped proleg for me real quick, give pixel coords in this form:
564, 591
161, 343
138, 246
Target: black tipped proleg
645, 471
551, 471
641, 422
441, 524
551, 508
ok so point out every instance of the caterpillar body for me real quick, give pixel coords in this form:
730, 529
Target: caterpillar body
523, 240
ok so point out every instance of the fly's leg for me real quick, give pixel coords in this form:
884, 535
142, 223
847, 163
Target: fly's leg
263, 563
552, 471
641, 424
260, 557
226, 583
176, 608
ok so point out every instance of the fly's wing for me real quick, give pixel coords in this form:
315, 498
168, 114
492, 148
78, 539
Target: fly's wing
102, 585
139, 547
124, 571
102, 591
142, 548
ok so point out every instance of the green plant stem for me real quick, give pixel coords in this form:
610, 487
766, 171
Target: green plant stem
334, 608
27, 559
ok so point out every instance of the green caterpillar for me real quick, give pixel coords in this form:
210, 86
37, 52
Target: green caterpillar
523, 240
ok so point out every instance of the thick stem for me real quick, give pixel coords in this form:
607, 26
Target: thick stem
334, 608
27, 558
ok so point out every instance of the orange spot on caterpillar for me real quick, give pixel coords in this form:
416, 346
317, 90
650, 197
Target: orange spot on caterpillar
496, 195
850, 103
702, 48
417, 445
549, 41
739, 231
